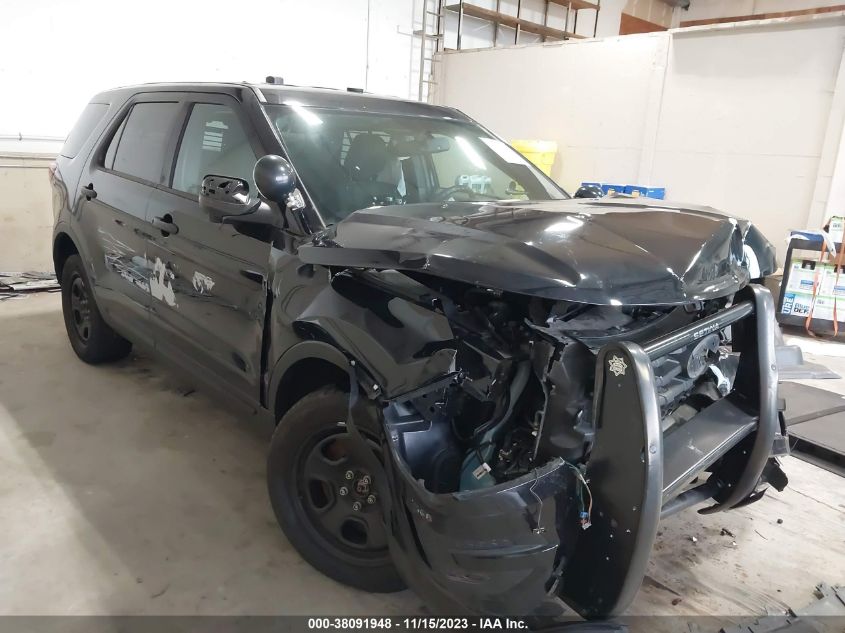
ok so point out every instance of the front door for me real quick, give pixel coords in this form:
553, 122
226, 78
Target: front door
208, 282
114, 192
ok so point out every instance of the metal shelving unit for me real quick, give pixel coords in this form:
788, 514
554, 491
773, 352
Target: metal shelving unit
520, 24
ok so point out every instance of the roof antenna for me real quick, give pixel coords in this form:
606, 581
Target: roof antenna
274, 80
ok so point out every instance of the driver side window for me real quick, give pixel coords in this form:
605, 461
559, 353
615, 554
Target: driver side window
214, 143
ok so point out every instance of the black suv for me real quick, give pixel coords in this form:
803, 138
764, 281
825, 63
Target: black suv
483, 387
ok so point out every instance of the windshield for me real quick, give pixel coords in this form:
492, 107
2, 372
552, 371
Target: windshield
353, 160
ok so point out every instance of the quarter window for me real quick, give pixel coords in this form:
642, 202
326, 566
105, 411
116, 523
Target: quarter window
214, 143
88, 120
139, 149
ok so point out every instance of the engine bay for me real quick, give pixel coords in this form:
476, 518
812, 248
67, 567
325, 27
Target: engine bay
520, 392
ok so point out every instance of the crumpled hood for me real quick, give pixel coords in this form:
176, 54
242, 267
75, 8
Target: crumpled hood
599, 251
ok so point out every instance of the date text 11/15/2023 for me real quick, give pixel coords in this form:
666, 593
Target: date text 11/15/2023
417, 623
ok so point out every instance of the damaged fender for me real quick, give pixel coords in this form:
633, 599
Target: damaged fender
401, 344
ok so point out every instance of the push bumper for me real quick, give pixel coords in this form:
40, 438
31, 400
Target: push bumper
506, 549
638, 474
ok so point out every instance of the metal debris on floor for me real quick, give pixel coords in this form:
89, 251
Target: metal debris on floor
793, 366
830, 603
825, 615
16, 284
816, 421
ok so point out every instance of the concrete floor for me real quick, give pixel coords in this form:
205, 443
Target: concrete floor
122, 493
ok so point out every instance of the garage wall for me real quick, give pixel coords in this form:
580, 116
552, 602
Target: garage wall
743, 119
591, 97
57, 54
26, 214
736, 118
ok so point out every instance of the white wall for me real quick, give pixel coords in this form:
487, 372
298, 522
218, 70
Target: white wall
26, 214
730, 117
591, 97
56, 53
743, 119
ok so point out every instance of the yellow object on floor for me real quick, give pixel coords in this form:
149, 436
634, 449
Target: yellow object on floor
541, 153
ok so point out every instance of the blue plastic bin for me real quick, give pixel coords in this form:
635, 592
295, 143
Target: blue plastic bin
636, 190
645, 192
607, 188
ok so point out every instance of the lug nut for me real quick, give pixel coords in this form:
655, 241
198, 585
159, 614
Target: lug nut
349, 474
371, 499
356, 506
343, 491
365, 480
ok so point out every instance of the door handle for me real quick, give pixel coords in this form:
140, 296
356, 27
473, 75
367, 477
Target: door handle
89, 192
165, 225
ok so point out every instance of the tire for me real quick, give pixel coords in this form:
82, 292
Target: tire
90, 336
306, 469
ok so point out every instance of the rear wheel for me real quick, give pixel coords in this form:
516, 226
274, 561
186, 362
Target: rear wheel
91, 337
325, 500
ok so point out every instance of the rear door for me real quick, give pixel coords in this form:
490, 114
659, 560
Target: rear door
114, 190
209, 280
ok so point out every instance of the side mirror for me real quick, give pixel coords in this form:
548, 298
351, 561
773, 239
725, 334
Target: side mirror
589, 191
223, 196
275, 179
227, 201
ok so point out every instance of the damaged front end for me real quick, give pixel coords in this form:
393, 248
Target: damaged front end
532, 443
536, 459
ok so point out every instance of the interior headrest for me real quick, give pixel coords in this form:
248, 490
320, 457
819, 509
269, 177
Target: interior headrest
366, 157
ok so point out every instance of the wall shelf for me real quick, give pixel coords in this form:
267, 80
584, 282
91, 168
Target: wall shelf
577, 5
511, 21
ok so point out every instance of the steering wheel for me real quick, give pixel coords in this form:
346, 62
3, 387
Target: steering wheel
444, 194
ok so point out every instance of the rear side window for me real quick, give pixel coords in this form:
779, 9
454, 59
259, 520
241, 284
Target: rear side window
138, 149
88, 120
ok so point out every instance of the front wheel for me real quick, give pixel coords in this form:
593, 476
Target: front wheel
324, 500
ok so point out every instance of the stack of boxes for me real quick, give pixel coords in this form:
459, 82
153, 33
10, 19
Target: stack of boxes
805, 269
